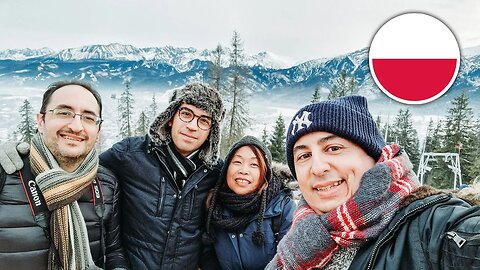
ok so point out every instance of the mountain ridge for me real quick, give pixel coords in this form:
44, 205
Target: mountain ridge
168, 67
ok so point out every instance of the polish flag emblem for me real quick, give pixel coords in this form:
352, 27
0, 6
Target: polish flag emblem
414, 58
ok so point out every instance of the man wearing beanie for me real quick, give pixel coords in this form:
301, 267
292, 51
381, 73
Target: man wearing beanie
362, 207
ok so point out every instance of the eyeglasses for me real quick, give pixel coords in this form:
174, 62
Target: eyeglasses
88, 119
187, 116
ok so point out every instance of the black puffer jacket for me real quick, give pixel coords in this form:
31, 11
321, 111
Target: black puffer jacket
435, 232
23, 243
162, 227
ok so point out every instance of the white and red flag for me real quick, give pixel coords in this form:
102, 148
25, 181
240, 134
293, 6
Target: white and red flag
414, 58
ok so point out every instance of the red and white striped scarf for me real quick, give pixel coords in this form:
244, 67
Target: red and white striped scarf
313, 239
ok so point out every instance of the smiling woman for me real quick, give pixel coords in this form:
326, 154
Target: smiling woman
250, 203
246, 171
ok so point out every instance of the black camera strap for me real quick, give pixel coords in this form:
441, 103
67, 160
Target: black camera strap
37, 203
35, 198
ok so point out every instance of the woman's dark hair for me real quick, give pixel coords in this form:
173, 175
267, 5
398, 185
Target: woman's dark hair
261, 162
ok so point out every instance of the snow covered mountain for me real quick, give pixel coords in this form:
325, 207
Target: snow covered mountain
109, 52
277, 85
177, 57
471, 51
22, 54
167, 67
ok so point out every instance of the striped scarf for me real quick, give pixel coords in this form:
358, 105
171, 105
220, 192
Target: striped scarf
61, 190
313, 239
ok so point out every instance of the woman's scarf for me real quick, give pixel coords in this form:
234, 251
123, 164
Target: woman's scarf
69, 249
242, 209
313, 238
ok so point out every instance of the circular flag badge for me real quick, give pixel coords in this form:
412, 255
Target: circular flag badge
414, 58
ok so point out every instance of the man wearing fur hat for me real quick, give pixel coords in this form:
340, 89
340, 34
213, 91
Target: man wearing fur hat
362, 207
165, 177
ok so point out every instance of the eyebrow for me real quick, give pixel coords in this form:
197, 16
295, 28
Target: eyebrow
240, 156
65, 106
202, 115
327, 138
319, 141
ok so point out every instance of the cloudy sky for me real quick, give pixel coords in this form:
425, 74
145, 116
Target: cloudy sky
298, 30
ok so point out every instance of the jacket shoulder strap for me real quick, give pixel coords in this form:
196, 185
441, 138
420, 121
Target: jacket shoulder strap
35, 198
3, 178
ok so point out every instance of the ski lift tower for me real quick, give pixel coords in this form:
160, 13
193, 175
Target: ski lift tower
453, 159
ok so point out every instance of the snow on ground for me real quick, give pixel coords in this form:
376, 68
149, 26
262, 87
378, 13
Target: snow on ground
264, 109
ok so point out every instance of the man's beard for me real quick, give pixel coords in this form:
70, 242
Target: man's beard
68, 162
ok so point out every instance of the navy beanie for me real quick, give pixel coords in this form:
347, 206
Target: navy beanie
347, 117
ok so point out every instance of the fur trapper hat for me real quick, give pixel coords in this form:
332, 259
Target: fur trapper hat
203, 97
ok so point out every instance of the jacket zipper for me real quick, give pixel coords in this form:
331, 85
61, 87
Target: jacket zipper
386, 237
168, 171
178, 197
460, 241
162, 195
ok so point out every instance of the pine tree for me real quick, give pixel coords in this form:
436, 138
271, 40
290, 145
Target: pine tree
142, 125
427, 142
277, 141
385, 129
27, 126
433, 142
437, 138
215, 69
236, 119
342, 86
440, 175
125, 109
406, 136
153, 109
460, 134
101, 144
475, 166
265, 136
378, 121
316, 95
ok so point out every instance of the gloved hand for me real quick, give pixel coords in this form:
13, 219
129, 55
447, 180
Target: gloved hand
10, 158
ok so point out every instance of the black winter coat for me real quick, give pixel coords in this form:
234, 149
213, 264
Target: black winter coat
162, 226
23, 243
436, 232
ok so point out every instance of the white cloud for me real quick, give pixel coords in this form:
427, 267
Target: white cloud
303, 29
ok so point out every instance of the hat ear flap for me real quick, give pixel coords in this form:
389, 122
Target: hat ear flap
174, 95
222, 115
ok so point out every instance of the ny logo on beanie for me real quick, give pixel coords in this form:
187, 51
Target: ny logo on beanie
298, 123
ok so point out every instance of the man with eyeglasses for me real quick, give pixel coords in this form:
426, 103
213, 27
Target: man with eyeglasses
165, 178
58, 211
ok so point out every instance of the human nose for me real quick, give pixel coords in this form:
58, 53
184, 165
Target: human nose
243, 169
193, 125
320, 165
76, 124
